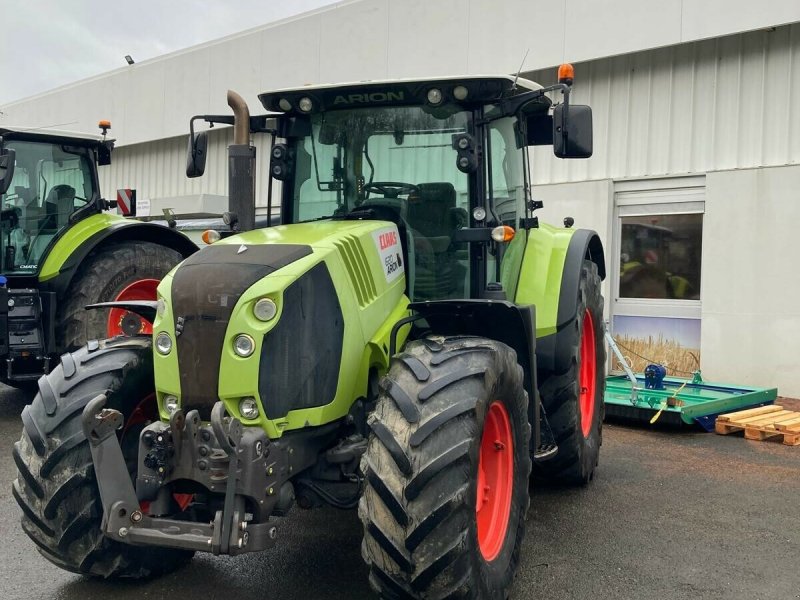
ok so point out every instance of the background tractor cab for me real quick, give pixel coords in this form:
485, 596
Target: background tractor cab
53, 228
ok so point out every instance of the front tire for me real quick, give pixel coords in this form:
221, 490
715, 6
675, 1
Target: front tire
574, 398
56, 487
446, 472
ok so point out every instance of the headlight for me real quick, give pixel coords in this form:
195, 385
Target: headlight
265, 309
163, 343
170, 404
248, 408
244, 345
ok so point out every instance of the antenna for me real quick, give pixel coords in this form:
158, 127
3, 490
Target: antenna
514, 85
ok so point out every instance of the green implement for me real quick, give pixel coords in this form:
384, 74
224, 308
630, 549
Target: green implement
681, 400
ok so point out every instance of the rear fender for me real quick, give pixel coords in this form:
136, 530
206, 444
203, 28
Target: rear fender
555, 346
77, 242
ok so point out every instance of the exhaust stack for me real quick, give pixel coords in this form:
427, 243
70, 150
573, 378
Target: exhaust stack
241, 168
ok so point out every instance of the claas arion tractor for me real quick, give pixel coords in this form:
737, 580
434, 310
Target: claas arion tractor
410, 342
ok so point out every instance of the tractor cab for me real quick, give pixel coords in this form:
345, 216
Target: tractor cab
445, 159
48, 180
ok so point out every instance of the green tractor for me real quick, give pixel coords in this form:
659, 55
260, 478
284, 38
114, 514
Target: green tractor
60, 249
410, 341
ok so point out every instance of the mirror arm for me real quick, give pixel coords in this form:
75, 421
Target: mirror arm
258, 124
512, 106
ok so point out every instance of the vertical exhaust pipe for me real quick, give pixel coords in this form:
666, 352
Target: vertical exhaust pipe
241, 168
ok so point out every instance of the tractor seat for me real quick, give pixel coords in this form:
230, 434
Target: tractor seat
60, 204
429, 208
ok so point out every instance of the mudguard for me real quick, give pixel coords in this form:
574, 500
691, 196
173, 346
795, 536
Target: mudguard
567, 252
70, 248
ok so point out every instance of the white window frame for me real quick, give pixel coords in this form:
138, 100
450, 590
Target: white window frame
667, 196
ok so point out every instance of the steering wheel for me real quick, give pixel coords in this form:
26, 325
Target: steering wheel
389, 189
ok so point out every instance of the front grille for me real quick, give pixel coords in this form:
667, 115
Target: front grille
205, 289
300, 357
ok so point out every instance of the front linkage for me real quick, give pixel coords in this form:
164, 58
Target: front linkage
223, 456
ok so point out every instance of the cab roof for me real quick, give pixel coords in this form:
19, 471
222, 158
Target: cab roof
481, 89
49, 135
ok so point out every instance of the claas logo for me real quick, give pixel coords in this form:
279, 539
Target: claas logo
387, 239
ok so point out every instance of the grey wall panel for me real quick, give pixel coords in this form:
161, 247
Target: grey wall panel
750, 318
354, 42
607, 28
706, 106
709, 18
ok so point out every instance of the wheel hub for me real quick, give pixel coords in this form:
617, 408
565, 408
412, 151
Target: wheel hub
124, 322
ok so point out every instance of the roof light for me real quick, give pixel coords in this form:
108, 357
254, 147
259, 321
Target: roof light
460, 92
566, 74
435, 96
210, 236
284, 104
305, 104
503, 233
104, 124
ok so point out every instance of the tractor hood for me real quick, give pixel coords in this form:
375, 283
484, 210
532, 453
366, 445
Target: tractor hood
332, 284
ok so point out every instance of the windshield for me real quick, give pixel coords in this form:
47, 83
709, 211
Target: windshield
351, 156
51, 181
401, 160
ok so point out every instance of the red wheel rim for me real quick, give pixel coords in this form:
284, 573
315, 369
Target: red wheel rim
143, 289
588, 374
495, 481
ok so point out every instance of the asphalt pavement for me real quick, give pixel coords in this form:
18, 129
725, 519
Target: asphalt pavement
670, 515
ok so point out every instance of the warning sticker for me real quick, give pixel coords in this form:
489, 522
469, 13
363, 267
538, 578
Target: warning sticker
387, 241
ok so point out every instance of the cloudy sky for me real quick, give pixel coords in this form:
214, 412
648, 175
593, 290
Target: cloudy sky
48, 43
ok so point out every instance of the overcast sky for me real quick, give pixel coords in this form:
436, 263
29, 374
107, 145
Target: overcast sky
48, 43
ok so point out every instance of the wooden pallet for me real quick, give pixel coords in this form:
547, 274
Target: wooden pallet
762, 423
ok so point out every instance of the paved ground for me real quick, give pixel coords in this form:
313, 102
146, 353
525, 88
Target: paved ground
670, 515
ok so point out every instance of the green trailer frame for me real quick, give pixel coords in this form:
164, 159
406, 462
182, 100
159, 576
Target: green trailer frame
683, 401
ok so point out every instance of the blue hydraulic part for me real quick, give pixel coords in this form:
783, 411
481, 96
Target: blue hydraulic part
654, 377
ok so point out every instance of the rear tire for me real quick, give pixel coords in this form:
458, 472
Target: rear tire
56, 486
422, 535
100, 278
577, 432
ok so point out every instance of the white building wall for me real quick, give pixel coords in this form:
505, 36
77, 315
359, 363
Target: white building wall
373, 39
750, 332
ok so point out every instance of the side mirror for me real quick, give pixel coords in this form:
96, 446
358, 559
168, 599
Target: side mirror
572, 131
196, 155
7, 161
104, 153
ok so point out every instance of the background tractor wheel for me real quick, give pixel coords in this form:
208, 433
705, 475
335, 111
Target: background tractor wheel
446, 470
56, 486
574, 399
125, 271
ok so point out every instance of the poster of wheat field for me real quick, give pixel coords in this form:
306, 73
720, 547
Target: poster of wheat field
671, 342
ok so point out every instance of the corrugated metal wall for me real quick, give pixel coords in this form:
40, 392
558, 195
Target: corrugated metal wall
706, 106
726, 103
158, 169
